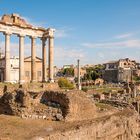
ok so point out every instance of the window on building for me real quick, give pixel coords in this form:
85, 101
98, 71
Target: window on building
27, 73
39, 73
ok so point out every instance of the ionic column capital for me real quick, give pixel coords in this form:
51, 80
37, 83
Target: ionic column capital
43, 38
7, 33
21, 35
32, 37
51, 37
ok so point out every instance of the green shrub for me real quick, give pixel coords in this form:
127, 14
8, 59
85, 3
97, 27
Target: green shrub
136, 78
85, 89
64, 83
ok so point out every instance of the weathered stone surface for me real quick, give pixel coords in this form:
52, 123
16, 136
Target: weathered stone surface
99, 81
15, 19
74, 104
75, 110
31, 87
120, 126
49, 105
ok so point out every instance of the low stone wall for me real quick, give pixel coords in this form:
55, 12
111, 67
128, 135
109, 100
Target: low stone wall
35, 87
8, 87
121, 126
116, 103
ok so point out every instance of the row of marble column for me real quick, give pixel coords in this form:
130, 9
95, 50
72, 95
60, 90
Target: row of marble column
33, 58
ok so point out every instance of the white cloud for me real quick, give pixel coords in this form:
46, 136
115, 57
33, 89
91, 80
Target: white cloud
69, 56
66, 54
60, 33
125, 43
101, 55
63, 32
123, 36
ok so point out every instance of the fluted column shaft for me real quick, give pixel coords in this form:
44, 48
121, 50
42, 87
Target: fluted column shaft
7, 57
33, 60
44, 60
51, 58
21, 59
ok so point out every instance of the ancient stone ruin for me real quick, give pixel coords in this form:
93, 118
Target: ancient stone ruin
73, 113
49, 105
14, 24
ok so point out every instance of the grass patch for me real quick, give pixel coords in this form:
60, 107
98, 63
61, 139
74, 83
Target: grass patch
101, 89
102, 105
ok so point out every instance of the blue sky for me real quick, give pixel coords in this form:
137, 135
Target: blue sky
94, 31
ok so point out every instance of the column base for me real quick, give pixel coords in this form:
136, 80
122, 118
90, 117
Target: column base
21, 81
79, 87
44, 81
33, 81
51, 81
7, 82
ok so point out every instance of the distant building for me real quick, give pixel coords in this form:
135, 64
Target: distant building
120, 71
82, 72
14, 69
68, 66
88, 66
27, 69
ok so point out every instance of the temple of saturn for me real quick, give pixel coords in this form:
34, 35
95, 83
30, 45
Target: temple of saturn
14, 24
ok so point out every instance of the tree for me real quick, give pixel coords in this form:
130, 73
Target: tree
136, 78
68, 71
93, 72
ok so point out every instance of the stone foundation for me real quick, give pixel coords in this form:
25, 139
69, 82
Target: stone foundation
50, 105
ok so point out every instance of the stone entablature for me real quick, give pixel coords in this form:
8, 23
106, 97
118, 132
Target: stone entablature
15, 19
14, 24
